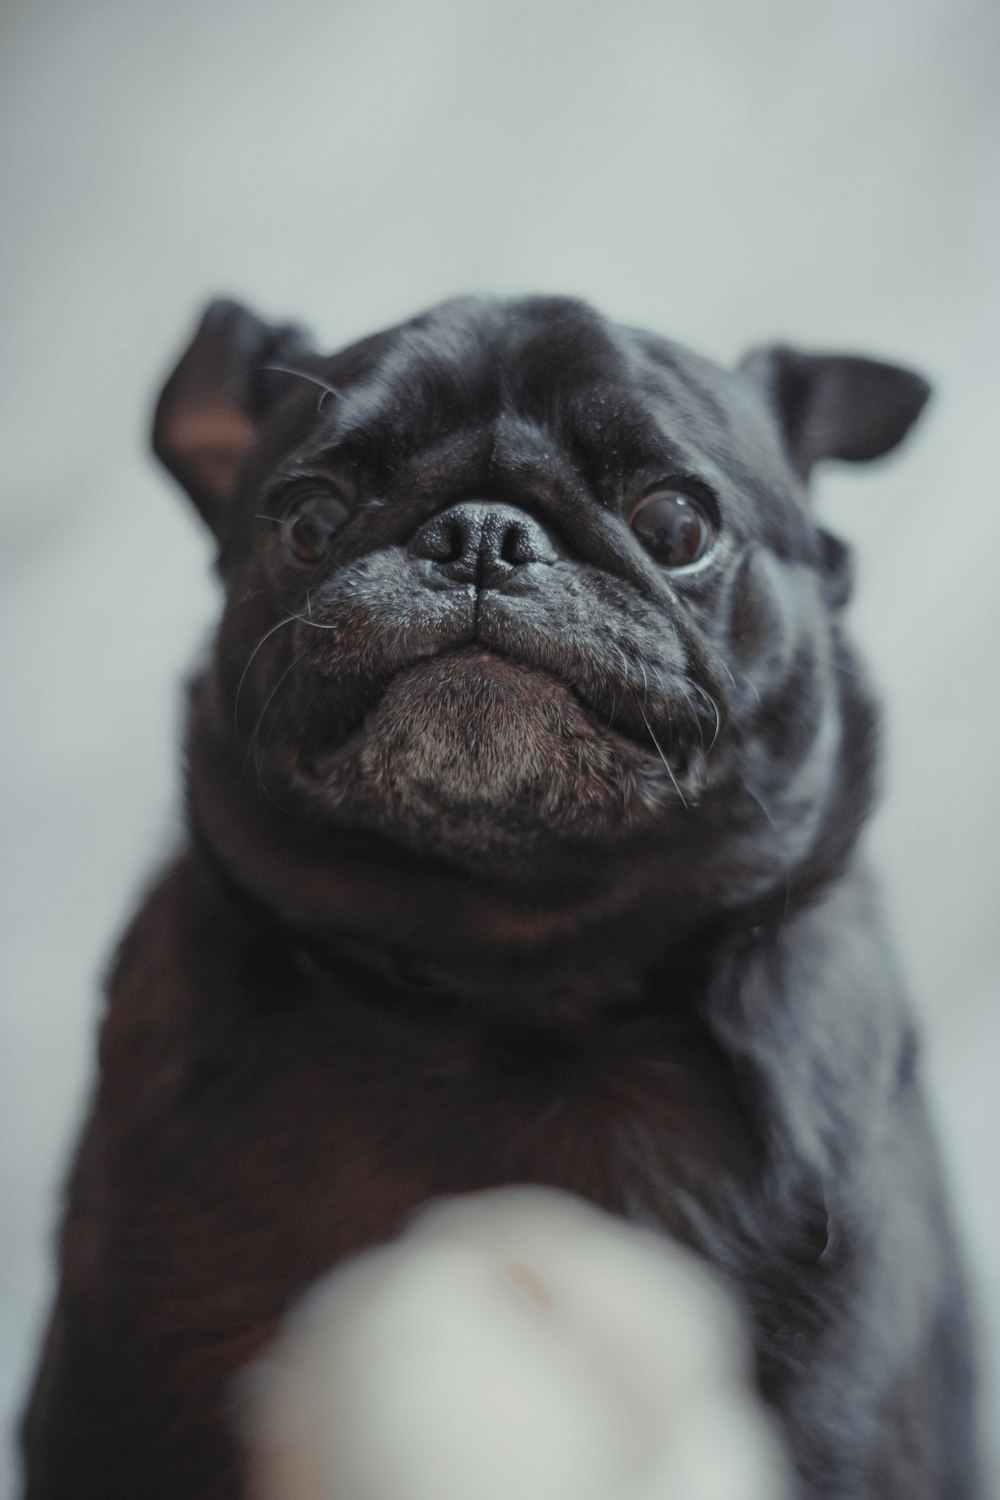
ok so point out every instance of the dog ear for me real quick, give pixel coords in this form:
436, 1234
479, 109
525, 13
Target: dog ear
207, 418
836, 405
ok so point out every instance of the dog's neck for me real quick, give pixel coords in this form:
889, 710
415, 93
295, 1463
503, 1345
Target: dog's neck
588, 939
576, 929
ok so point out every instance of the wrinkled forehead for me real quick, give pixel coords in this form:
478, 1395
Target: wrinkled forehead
504, 388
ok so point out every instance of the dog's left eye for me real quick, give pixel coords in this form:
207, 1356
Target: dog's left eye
311, 524
673, 528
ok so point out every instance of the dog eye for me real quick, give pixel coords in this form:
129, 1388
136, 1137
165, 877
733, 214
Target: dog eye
311, 524
673, 528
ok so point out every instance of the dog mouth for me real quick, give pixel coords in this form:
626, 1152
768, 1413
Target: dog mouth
430, 701
564, 669
460, 748
472, 684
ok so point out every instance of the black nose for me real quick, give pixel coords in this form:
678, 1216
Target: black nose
482, 543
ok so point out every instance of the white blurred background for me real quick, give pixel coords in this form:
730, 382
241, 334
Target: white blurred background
722, 172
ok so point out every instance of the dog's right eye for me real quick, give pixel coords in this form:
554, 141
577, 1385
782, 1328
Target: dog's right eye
314, 519
673, 528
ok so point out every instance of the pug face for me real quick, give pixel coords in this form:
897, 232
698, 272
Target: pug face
511, 587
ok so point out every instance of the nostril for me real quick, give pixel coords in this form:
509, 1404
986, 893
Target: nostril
445, 540
456, 542
515, 547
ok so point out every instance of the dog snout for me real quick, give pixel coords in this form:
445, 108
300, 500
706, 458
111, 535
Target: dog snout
482, 543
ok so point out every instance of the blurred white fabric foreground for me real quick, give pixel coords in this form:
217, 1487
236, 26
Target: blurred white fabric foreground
513, 1345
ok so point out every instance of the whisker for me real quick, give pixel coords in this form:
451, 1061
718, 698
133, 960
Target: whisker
324, 386
666, 763
265, 637
262, 749
695, 718
260, 718
735, 684
626, 686
316, 624
715, 708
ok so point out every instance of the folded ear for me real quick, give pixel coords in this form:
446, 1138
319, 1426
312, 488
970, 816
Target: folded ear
209, 411
836, 405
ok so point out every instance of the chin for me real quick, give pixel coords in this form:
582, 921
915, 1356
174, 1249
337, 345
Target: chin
472, 757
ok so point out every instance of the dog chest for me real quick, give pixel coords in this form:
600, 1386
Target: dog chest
251, 1137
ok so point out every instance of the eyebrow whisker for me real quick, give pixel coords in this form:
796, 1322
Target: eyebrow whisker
324, 385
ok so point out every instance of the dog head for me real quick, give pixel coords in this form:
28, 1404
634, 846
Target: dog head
523, 595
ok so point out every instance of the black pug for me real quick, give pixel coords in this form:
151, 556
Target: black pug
524, 786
